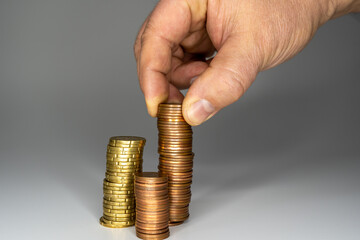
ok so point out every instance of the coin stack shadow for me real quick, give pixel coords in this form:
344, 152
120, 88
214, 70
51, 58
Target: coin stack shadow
176, 159
123, 161
152, 206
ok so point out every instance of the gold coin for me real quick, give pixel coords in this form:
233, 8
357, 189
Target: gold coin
123, 160
121, 211
119, 202
126, 199
116, 172
123, 157
122, 192
119, 180
132, 219
122, 196
127, 139
117, 185
124, 149
118, 189
120, 219
113, 224
122, 207
119, 215
124, 164
114, 168
124, 176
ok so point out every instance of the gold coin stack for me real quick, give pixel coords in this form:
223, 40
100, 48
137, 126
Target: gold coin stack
123, 161
152, 206
176, 159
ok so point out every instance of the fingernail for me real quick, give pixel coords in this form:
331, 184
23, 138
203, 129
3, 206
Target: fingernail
200, 111
193, 79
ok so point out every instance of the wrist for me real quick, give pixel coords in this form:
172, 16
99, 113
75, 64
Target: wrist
340, 8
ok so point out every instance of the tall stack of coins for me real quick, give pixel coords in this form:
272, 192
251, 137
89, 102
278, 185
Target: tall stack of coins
152, 206
176, 158
123, 161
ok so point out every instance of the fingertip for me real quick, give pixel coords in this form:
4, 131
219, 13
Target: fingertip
153, 103
196, 112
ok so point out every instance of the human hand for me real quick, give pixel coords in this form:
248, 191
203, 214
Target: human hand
249, 37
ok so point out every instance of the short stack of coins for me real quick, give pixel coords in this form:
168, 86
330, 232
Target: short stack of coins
176, 158
152, 206
123, 161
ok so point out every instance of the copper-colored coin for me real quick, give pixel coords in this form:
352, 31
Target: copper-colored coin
152, 202
174, 127
152, 220
148, 218
184, 164
152, 216
164, 137
165, 168
172, 224
153, 236
151, 195
152, 208
152, 231
179, 166
167, 142
173, 131
174, 135
153, 177
174, 144
168, 147
152, 226
179, 198
176, 149
177, 176
176, 156
178, 219
152, 187
179, 201
179, 192
171, 153
170, 105
175, 185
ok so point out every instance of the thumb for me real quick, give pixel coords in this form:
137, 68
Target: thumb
229, 75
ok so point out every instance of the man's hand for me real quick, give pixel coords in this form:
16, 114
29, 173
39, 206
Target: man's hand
249, 36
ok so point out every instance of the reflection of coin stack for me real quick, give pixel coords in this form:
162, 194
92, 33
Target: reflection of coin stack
124, 159
176, 158
152, 206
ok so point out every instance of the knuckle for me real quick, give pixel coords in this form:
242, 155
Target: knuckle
234, 85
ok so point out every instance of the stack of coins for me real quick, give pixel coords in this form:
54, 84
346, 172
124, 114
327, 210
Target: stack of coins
152, 206
123, 161
176, 158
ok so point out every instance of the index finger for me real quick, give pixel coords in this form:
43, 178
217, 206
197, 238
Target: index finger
168, 25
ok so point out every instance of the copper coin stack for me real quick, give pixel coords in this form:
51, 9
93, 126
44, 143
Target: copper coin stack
176, 158
123, 161
152, 206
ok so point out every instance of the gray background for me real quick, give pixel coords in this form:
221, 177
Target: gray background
281, 163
